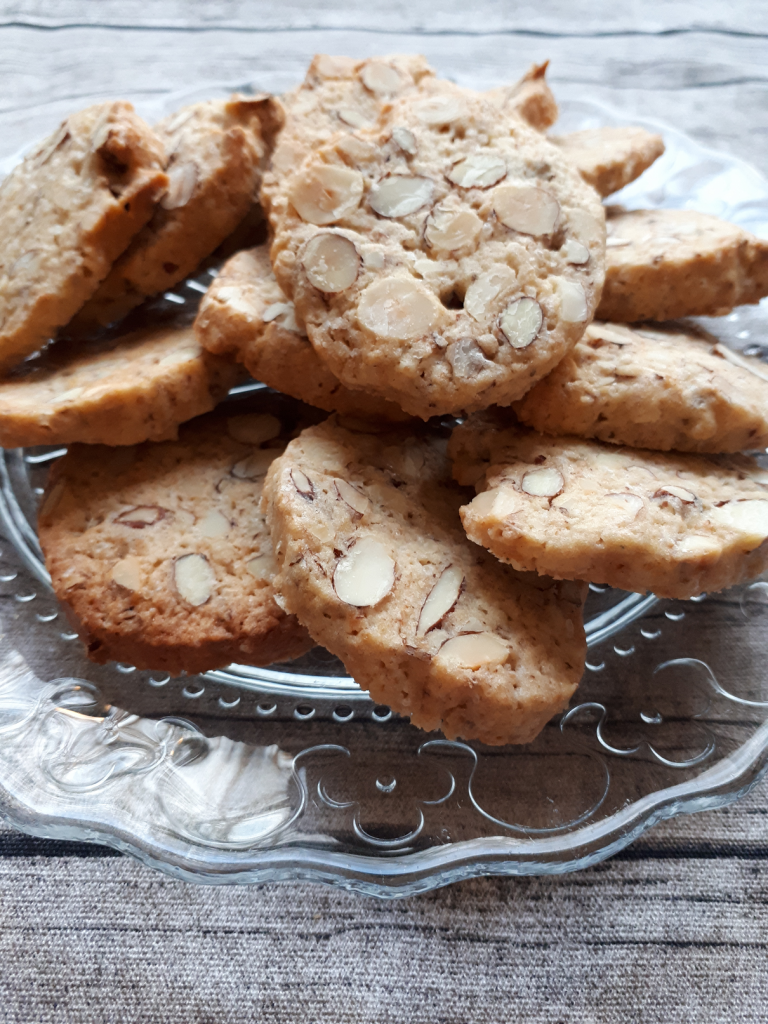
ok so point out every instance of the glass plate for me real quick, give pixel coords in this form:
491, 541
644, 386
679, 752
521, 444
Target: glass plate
252, 775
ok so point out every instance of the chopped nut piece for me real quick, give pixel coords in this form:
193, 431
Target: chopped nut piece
325, 193
749, 518
303, 484
366, 575
253, 428
256, 465
214, 524
400, 194
489, 286
677, 492
526, 208
441, 599
472, 650
194, 578
397, 309
573, 301
440, 110
624, 501
127, 573
352, 117
182, 179
575, 252
331, 262
406, 140
382, 78
356, 501
262, 567
521, 322
481, 170
141, 515
699, 547
465, 358
451, 229
544, 483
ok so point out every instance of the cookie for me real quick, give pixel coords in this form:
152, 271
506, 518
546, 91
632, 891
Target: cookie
610, 158
245, 314
67, 212
663, 388
216, 152
159, 551
137, 388
338, 94
673, 524
665, 264
530, 98
446, 262
374, 562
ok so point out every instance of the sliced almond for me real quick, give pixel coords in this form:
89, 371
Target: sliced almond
253, 428
255, 465
352, 497
625, 502
303, 484
749, 518
521, 322
737, 359
441, 599
262, 567
440, 110
214, 524
497, 503
406, 140
194, 578
480, 170
697, 546
574, 252
472, 651
451, 229
573, 301
526, 208
182, 179
676, 492
400, 195
398, 309
141, 516
324, 193
352, 117
617, 243
544, 482
365, 575
331, 262
127, 573
466, 359
481, 295
381, 78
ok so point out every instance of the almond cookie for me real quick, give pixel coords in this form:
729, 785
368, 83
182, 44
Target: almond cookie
138, 388
245, 314
610, 158
530, 98
160, 552
374, 562
448, 261
662, 388
66, 213
216, 151
674, 524
665, 264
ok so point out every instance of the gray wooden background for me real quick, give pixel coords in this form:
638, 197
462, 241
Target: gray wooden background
675, 929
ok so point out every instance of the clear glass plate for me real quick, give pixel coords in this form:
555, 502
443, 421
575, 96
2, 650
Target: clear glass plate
252, 775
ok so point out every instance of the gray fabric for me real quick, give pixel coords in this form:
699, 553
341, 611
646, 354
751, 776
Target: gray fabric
672, 930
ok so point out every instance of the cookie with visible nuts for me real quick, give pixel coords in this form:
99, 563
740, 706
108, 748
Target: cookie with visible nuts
610, 158
138, 387
652, 387
374, 562
665, 264
245, 314
66, 213
446, 262
160, 553
216, 153
673, 524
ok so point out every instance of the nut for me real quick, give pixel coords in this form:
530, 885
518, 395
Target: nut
624, 501
466, 359
406, 140
214, 524
438, 111
352, 117
398, 309
141, 515
262, 567
573, 301
284, 313
526, 208
617, 243
521, 322
574, 252
441, 599
194, 578
449, 229
325, 193
699, 547
543, 483
331, 262
676, 492
255, 465
303, 484
182, 179
497, 503
585, 228
480, 295
400, 194
253, 428
751, 365
127, 573
381, 78
481, 170
349, 494
472, 651
365, 575
749, 518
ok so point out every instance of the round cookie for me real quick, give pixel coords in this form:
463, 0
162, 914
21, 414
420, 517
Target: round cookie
374, 562
447, 261
160, 553
141, 387
245, 314
677, 525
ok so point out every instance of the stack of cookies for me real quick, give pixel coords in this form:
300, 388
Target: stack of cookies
512, 414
